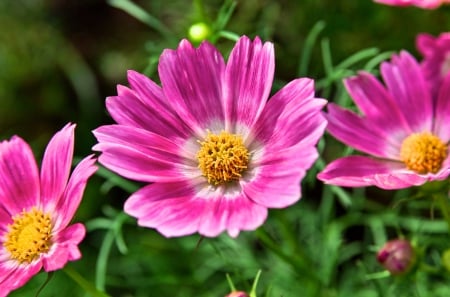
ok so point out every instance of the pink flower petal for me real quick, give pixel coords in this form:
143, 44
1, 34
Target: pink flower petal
169, 207
248, 81
66, 206
376, 104
192, 82
442, 112
277, 182
65, 249
230, 214
291, 115
361, 171
13, 277
362, 134
445, 169
140, 155
5, 220
19, 177
178, 209
426, 4
129, 110
405, 82
425, 43
56, 163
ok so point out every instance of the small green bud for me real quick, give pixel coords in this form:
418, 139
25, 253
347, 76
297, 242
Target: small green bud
199, 32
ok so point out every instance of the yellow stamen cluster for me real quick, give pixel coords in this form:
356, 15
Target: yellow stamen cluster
29, 235
222, 158
423, 152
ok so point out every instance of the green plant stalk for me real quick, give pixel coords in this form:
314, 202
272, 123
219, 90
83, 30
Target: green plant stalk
296, 261
143, 16
82, 282
255, 284
443, 204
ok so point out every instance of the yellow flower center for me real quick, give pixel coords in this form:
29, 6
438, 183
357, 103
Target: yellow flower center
222, 158
29, 235
423, 152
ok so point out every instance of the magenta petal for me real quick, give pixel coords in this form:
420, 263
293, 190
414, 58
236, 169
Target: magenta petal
360, 171
291, 115
192, 82
442, 112
140, 155
56, 259
362, 134
248, 81
231, 214
445, 170
277, 183
375, 102
146, 106
168, 207
406, 83
14, 277
19, 177
425, 43
5, 220
128, 109
65, 249
68, 204
177, 209
56, 163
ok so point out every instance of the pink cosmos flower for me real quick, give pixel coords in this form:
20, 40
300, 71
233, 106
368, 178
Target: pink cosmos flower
436, 53
35, 209
427, 4
216, 153
403, 127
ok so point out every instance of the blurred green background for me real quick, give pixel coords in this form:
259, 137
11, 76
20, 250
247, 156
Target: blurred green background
59, 60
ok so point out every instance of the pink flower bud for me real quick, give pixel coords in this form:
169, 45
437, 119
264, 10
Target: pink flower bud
397, 256
237, 294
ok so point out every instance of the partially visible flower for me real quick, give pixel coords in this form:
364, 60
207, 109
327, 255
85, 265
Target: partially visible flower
237, 294
397, 256
215, 152
427, 4
436, 61
403, 127
36, 209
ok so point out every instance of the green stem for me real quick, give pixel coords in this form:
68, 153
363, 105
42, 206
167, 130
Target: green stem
105, 249
443, 204
82, 282
296, 261
255, 284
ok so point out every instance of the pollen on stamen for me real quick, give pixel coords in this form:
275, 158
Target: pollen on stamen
222, 158
29, 235
423, 152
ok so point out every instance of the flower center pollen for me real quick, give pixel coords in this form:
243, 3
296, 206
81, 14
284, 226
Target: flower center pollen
29, 235
222, 158
423, 152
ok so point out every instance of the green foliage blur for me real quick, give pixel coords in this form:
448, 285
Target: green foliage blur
59, 60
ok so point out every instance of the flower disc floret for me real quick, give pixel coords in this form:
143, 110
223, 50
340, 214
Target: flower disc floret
29, 235
423, 152
222, 158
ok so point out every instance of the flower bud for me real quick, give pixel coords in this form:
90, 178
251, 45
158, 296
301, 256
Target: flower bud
237, 294
397, 256
199, 32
